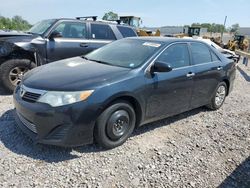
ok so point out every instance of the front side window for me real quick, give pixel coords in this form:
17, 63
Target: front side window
72, 30
201, 53
126, 31
176, 56
102, 32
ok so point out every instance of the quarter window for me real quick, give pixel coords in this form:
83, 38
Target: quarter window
214, 57
126, 31
101, 31
176, 56
201, 53
72, 30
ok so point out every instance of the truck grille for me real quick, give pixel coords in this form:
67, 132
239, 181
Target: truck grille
28, 124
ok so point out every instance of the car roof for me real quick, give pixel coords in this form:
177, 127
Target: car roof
166, 39
91, 21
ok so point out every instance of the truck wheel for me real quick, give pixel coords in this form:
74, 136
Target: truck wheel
115, 125
12, 71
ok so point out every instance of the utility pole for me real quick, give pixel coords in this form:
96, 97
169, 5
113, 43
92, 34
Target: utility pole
223, 28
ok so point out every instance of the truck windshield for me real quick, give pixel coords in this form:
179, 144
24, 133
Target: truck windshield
41, 27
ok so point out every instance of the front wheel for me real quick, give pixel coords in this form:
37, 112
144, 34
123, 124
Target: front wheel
219, 96
115, 125
12, 71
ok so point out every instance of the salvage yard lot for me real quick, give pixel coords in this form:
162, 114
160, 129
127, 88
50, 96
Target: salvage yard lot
200, 148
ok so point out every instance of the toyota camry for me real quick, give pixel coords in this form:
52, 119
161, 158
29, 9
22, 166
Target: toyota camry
103, 96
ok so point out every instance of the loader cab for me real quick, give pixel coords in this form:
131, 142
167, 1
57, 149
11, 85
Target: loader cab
131, 21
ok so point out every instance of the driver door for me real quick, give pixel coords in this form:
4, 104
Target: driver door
71, 42
170, 92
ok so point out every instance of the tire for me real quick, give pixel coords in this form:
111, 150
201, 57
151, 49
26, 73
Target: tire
12, 70
115, 125
219, 96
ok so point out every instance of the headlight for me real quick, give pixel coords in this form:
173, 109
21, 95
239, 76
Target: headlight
63, 98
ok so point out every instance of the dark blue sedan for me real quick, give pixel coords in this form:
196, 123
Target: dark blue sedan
105, 95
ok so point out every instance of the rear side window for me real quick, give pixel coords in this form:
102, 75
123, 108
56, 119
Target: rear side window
126, 31
214, 57
176, 56
101, 31
201, 53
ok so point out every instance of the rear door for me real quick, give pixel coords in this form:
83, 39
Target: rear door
73, 41
100, 35
208, 72
170, 92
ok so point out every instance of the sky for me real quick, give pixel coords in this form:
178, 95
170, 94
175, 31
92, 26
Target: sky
153, 13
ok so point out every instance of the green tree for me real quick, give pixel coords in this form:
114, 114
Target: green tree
235, 28
110, 16
206, 25
195, 25
15, 23
215, 28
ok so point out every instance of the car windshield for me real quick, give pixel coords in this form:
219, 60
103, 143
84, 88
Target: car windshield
41, 27
128, 53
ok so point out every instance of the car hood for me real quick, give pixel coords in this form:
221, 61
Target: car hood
12, 34
14, 41
73, 74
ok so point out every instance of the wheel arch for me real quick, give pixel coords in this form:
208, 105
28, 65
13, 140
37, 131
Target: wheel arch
23, 54
226, 80
134, 101
20, 54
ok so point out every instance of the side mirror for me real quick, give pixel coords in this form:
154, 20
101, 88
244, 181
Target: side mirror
55, 34
160, 66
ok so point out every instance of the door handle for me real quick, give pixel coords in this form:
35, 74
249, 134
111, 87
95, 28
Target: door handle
219, 68
84, 45
190, 74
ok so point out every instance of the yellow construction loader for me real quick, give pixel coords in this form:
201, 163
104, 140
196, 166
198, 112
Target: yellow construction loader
239, 42
136, 22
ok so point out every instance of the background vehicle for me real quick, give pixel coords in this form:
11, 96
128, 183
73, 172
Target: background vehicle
52, 40
239, 42
135, 22
125, 84
189, 32
227, 53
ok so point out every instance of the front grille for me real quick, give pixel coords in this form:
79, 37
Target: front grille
31, 97
28, 124
29, 94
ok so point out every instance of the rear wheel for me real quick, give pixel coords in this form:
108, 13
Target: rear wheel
115, 125
219, 96
12, 71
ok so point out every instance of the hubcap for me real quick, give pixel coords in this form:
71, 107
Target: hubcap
220, 95
118, 124
16, 75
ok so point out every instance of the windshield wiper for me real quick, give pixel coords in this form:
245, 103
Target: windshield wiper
97, 61
28, 32
85, 58
102, 62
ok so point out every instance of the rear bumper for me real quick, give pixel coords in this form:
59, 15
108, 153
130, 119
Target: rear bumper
67, 126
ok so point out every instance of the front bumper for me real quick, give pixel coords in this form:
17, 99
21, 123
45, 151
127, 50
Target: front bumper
71, 125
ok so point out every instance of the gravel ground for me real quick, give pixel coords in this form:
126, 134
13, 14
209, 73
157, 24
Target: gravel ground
200, 148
